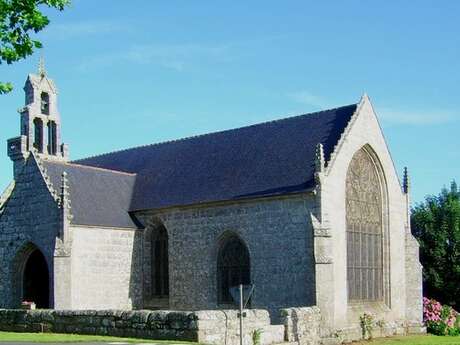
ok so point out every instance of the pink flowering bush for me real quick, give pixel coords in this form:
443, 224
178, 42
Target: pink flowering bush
439, 319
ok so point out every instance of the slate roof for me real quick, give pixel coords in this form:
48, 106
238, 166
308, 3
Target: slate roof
98, 197
271, 158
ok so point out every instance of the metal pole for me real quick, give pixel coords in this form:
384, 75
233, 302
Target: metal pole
241, 314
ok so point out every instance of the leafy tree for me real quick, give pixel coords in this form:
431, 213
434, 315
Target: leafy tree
18, 19
436, 224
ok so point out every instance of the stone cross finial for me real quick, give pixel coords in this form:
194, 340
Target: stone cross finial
41, 67
319, 159
406, 181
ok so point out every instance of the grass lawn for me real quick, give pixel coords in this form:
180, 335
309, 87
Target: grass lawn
413, 340
74, 338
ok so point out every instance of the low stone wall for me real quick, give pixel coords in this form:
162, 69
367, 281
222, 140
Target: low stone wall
208, 327
142, 324
222, 327
302, 325
379, 330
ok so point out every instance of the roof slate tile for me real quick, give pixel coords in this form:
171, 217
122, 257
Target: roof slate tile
265, 159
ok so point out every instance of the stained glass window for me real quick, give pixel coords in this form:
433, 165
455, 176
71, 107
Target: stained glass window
233, 268
364, 229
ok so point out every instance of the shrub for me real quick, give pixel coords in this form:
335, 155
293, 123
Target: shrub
439, 319
436, 225
366, 322
256, 336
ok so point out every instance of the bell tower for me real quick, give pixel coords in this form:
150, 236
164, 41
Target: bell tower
40, 130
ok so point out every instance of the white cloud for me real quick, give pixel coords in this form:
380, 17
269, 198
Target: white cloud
171, 56
413, 117
305, 97
76, 29
175, 57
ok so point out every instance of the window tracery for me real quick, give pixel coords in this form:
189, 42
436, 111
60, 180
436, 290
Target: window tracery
364, 221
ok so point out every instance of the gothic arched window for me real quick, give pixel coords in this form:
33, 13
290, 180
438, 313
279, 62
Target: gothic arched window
160, 263
364, 218
45, 103
38, 135
233, 268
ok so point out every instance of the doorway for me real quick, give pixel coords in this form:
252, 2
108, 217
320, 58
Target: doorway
35, 282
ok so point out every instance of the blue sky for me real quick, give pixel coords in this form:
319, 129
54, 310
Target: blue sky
133, 73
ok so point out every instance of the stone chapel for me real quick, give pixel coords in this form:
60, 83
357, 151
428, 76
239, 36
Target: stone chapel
308, 208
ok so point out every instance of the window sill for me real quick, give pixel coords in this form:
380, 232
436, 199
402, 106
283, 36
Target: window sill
375, 307
157, 302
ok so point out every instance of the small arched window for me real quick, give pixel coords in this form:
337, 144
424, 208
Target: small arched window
38, 135
45, 103
160, 263
233, 268
52, 146
364, 219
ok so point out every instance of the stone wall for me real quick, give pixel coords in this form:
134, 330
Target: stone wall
141, 324
222, 327
106, 268
302, 325
414, 293
277, 233
207, 327
30, 219
379, 329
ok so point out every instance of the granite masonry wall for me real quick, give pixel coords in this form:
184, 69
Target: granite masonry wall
106, 268
141, 324
29, 220
414, 286
277, 233
207, 327
222, 327
302, 325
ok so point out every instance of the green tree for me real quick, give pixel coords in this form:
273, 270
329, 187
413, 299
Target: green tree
436, 224
18, 20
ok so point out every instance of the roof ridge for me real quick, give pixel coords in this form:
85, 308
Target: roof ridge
211, 133
345, 132
93, 167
